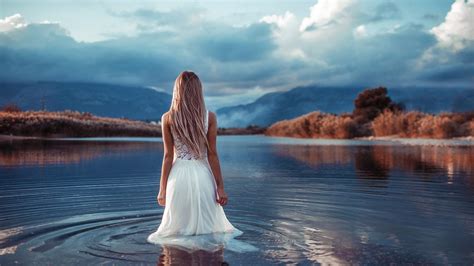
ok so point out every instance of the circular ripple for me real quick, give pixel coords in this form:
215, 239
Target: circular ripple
120, 237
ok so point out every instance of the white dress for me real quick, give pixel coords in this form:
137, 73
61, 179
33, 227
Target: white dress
192, 218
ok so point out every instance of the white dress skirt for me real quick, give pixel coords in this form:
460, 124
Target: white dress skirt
192, 218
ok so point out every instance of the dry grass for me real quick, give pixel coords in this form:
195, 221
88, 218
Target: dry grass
316, 125
71, 124
422, 125
388, 123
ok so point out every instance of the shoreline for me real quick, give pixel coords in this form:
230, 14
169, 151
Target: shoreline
13, 137
4, 137
73, 124
395, 138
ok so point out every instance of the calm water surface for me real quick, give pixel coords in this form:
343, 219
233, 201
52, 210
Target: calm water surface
298, 201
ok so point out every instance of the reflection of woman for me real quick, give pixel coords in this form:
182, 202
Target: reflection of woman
191, 187
174, 256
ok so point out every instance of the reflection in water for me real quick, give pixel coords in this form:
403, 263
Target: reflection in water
31, 152
371, 164
175, 256
4, 236
93, 202
316, 156
378, 161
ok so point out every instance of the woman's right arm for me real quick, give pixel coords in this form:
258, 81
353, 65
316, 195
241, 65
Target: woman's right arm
213, 159
168, 154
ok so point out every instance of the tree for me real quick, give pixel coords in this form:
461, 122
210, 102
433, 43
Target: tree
372, 102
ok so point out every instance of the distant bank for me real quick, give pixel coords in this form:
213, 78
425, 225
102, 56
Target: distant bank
375, 115
17, 124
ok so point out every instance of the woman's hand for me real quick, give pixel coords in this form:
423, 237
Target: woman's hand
161, 198
221, 196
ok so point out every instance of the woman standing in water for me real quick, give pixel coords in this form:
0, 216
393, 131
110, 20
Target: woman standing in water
191, 186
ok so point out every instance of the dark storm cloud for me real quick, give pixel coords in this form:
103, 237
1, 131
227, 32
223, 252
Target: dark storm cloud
234, 59
46, 52
451, 73
458, 70
388, 57
226, 44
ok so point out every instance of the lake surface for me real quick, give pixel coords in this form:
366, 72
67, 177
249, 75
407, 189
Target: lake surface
93, 201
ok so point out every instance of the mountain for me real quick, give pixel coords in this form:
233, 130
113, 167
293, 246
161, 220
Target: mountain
99, 99
142, 103
276, 106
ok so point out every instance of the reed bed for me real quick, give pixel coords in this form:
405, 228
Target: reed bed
72, 124
397, 124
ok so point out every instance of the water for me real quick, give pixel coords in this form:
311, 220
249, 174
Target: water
92, 201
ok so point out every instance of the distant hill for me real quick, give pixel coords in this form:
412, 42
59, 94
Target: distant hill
99, 99
276, 106
142, 103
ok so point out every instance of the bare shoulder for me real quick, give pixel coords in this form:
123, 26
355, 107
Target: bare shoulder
212, 117
165, 118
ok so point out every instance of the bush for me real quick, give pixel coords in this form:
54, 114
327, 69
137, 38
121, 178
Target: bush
316, 125
417, 124
11, 108
372, 102
72, 124
389, 123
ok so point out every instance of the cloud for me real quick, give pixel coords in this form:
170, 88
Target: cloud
446, 67
360, 31
149, 20
227, 56
12, 22
457, 31
229, 44
389, 57
450, 60
386, 11
324, 13
430, 16
336, 44
280, 21
15, 21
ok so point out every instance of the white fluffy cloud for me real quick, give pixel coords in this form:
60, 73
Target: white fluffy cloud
15, 21
286, 35
280, 21
451, 58
324, 13
458, 28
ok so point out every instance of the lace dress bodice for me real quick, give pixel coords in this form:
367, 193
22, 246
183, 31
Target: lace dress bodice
182, 151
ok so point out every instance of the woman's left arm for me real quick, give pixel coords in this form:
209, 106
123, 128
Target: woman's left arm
168, 154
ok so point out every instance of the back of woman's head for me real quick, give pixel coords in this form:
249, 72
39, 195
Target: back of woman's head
188, 111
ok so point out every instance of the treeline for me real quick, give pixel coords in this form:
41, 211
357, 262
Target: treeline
375, 114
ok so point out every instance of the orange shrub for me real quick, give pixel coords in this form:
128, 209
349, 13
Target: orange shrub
403, 124
416, 124
315, 125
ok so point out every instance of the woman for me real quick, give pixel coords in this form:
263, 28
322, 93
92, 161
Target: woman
191, 186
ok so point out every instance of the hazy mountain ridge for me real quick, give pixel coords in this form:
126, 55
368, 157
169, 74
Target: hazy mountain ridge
278, 106
109, 100
137, 102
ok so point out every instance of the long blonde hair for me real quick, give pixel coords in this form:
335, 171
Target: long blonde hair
188, 111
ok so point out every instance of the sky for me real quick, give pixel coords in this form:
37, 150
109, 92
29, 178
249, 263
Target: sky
240, 49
